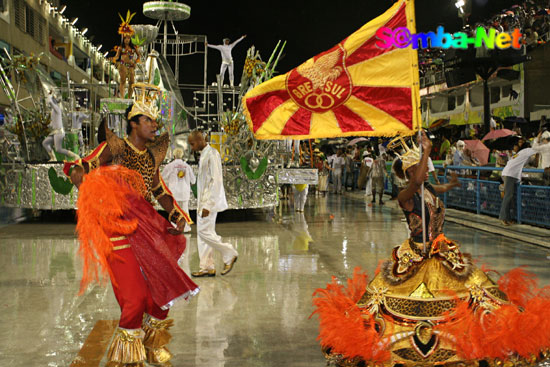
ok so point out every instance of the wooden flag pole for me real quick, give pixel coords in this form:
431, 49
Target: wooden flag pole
310, 153
425, 250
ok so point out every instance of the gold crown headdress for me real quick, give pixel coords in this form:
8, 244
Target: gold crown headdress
409, 155
145, 101
125, 29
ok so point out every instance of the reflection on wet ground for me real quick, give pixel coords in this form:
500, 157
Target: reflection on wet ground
256, 316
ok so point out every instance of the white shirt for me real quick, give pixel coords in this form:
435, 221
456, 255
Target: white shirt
338, 163
378, 168
179, 177
331, 159
515, 165
226, 50
544, 151
368, 161
57, 122
431, 167
210, 190
458, 157
78, 117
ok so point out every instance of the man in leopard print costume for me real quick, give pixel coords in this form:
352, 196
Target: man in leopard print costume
143, 328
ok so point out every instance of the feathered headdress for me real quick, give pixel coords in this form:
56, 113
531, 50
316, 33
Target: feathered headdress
125, 29
145, 101
409, 155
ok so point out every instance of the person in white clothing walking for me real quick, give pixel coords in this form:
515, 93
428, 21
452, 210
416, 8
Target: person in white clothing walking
367, 163
511, 175
227, 57
337, 171
211, 201
179, 176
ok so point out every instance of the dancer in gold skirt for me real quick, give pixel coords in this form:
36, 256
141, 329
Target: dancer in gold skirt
429, 304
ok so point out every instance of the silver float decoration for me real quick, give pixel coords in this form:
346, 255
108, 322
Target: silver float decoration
29, 187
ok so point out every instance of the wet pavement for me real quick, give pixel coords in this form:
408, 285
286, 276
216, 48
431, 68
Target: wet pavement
258, 315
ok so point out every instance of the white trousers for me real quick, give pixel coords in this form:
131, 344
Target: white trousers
184, 205
368, 189
81, 140
208, 240
337, 180
300, 198
223, 68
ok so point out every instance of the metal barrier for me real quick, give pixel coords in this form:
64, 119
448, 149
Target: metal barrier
483, 196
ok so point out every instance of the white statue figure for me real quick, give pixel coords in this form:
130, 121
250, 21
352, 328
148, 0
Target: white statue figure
78, 117
227, 58
55, 139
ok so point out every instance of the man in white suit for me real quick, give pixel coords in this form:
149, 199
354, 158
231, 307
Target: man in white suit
179, 177
227, 58
211, 201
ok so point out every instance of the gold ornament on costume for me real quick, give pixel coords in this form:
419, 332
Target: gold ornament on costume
409, 156
145, 101
378, 297
126, 348
483, 299
125, 29
406, 257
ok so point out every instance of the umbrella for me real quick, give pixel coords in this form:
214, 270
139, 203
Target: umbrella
479, 150
504, 143
357, 140
495, 134
516, 120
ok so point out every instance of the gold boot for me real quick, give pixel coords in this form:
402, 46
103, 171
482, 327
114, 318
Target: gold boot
156, 338
126, 349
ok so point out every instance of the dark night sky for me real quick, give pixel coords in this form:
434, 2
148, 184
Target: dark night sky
309, 26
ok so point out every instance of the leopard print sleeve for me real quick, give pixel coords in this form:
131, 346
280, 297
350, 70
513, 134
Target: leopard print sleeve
158, 149
116, 144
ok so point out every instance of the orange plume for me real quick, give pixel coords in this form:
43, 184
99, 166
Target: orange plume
102, 202
344, 327
521, 327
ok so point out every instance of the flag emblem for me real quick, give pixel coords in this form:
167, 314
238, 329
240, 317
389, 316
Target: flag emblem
321, 83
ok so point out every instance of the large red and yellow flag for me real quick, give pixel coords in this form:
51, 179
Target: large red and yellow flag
353, 89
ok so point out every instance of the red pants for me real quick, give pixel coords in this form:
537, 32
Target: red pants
131, 290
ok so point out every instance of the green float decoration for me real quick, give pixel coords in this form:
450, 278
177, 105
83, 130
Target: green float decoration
59, 184
156, 80
254, 175
194, 189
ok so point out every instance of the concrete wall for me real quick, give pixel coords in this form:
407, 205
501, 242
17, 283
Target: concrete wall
537, 78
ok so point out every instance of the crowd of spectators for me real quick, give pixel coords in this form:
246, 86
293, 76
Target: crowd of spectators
532, 17
347, 167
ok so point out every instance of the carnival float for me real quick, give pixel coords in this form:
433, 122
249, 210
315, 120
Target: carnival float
151, 54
